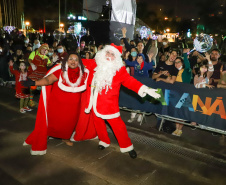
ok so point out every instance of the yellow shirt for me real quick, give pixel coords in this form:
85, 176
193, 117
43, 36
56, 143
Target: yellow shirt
179, 76
33, 53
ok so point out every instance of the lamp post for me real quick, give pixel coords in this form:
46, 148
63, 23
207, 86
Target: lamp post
62, 26
71, 17
59, 14
27, 23
167, 30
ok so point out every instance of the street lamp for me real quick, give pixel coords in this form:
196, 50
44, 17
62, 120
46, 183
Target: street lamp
167, 30
62, 26
27, 23
71, 17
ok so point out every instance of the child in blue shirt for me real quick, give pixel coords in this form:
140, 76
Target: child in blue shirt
141, 67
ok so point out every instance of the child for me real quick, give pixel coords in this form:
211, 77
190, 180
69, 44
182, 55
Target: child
202, 79
141, 69
21, 75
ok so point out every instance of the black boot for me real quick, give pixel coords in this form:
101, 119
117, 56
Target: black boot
101, 147
133, 154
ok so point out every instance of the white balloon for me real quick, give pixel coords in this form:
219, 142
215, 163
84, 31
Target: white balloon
59, 34
203, 43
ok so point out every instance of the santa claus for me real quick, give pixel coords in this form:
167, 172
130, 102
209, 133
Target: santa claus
103, 96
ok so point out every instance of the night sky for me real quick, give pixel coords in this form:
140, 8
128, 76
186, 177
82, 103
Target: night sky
36, 11
183, 8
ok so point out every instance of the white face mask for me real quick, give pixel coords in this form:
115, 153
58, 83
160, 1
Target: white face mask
180, 68
0, 50
37, 45
60, 50
50, 54
164, 43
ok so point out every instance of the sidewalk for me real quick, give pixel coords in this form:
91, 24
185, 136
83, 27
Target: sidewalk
197, 140
163, 159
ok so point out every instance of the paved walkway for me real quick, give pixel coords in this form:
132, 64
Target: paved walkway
196, 157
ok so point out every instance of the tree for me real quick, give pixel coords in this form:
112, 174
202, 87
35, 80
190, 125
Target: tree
210, 17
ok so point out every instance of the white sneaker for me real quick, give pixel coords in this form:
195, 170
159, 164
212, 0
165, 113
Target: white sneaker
22, 110
140, 117
131, 120
27, 109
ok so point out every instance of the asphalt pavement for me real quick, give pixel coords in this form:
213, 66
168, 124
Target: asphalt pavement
197, 157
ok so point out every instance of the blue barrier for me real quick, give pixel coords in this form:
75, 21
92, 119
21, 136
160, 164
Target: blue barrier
180, 100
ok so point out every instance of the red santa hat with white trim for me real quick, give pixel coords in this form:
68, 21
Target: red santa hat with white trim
116, 49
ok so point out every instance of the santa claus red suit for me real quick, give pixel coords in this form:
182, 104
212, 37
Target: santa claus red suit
103, 95
59, 109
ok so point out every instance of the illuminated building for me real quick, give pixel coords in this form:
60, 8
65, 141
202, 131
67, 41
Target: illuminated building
12, 13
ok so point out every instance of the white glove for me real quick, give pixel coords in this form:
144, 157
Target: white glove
152, 92
34, 67
55, 58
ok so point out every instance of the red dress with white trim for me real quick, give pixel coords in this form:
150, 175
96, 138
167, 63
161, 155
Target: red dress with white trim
19, 76
63, 107
59, 108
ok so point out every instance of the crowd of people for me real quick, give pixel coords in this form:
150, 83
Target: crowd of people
79, 68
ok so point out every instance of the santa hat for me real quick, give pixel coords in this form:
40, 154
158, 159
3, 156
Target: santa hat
119, 48
116, 49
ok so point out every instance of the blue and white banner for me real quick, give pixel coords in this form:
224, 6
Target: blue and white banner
179, 100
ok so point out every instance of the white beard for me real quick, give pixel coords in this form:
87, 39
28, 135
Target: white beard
105, 70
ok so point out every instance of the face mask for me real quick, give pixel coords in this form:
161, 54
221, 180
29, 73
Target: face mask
50, 54
82, 45
26, 41
60, 50
180, 68
164, 43
203, 70
0, 50
133, 53
37, 45
122, 45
